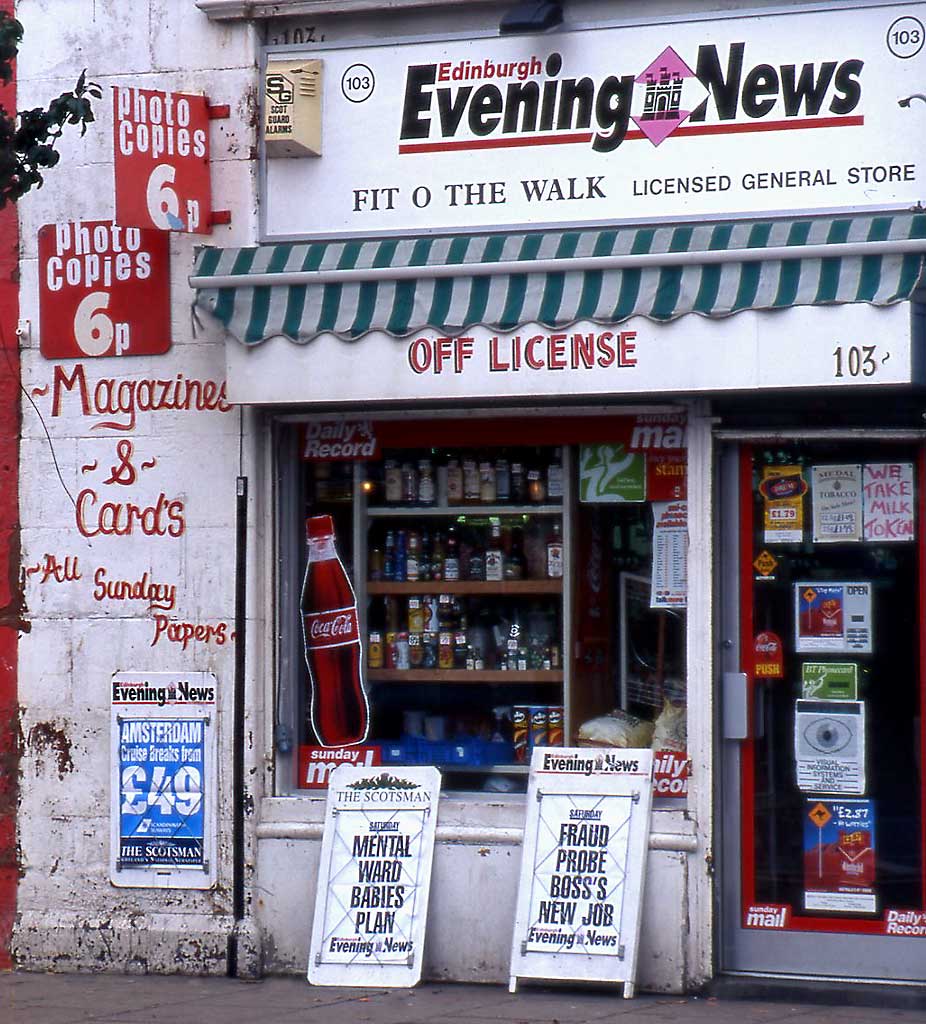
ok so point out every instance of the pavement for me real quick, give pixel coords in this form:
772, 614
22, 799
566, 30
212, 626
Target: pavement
27, 998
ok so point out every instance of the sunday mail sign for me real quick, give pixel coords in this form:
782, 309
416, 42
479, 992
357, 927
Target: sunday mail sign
790, 111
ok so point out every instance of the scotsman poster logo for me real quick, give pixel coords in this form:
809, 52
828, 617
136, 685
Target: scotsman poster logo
469, 104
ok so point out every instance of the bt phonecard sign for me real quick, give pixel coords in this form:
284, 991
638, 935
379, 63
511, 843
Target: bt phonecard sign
104, 290
161, 142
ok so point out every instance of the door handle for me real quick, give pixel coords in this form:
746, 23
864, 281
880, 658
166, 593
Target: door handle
735, 709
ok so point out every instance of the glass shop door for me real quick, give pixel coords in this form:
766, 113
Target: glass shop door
822, 807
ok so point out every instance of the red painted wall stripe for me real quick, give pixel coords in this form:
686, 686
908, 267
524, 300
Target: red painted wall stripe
10, 598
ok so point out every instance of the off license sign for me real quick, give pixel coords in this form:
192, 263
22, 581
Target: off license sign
104, 290
161, 143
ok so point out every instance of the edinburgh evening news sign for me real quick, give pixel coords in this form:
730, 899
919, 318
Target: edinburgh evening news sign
791, 111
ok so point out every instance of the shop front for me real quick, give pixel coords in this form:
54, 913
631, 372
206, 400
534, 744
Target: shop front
611, 457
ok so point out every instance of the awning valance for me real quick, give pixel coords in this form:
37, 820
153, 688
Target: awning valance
557, 278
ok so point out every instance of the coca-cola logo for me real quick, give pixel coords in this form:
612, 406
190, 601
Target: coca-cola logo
332, 627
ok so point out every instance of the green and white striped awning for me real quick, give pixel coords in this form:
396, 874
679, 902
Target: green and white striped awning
557, 278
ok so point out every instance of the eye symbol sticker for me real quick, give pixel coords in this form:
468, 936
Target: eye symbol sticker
828, 735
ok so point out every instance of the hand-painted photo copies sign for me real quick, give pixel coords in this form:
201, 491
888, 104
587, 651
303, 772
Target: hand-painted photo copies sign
163, 783
580, 894
104, 290
829, 746
832, 617
374, 877
161, 144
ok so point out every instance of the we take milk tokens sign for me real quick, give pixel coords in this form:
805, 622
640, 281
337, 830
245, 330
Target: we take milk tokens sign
580, 894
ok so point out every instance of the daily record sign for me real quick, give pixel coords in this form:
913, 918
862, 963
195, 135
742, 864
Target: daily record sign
796, 110
104, 290
580, 894
161, 143
163, 782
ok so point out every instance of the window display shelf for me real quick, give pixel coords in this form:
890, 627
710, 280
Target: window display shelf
458, 675
481, 587
417, 511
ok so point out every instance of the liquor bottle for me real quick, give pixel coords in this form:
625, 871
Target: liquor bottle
452, 556
487, 489
555, 476
393, 482
454, 483
389, 557
502, 481
476, 563
401, 557
413, 555
470, 481
494, 558
555, 554
536, 485
426, 488
515, 567
409, 484
438, 557
339, 708
518, 483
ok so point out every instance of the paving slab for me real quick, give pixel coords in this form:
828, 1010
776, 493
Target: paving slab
33, 998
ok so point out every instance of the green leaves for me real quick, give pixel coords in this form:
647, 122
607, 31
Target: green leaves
27, 139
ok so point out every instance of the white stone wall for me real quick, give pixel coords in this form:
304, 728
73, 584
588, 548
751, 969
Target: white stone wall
70, 916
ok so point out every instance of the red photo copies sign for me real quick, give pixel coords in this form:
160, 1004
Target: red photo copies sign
161, 143
104, 290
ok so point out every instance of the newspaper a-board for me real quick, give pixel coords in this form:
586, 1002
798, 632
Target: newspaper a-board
580, 893
163, 784
374, 877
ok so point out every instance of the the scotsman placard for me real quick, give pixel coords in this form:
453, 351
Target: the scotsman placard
792, 111
374, 876
580, 895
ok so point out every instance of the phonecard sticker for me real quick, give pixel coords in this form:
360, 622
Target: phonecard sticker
839, 856
832, 617
829, 746
837, 503
783, 489
829, 680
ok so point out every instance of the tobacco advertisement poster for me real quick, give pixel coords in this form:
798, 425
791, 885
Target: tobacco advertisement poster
837, 503
839, 856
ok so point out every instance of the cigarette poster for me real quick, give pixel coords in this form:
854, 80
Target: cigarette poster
839, 856
887, 502
829, 746
783, 489
582, 869
837, 503
670, 554
829, 680
834, 618
163, 789
374, 877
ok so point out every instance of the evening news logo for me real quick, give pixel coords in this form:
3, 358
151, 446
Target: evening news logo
471, 104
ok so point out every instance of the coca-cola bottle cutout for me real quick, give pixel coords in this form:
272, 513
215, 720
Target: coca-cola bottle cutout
340, 710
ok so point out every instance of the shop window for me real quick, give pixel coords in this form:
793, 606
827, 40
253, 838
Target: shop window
507, 596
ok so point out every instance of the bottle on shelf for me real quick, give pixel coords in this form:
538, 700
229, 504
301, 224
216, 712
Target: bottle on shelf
502, 481
392, 477
555, 476
413, 556
555, 554
536, 485
389, 556
377, 563
476, 562
437, 558
401, 557
427, 491
518, 483
409, 484
487, 486
454, 482
471, 488
515, 567
494, 556
452, 556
